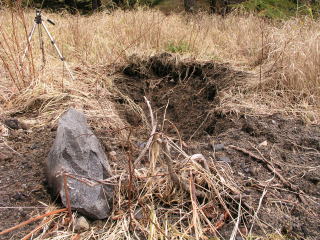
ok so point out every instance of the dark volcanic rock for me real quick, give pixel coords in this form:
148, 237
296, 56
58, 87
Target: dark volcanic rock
224, 159
76, 150
218, 147
15, 124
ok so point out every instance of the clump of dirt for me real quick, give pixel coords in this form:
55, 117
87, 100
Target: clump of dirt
189, 88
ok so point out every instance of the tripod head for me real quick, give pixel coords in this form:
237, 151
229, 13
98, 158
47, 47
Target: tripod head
38, 18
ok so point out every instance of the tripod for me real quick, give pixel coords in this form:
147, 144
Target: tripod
38, 21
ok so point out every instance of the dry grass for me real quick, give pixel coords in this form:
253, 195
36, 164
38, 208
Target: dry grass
288, 82
95, 45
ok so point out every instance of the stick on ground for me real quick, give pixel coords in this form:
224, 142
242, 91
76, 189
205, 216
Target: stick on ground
32, 220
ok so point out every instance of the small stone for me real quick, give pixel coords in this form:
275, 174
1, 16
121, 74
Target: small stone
12, 123
15, 124
18, 196
112, 153
141, 144
253, 171
197, 157
34, 146
239, 238
263, 144
81, 224
217, 147
224, 159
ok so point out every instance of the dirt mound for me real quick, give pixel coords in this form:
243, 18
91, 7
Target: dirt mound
189, 88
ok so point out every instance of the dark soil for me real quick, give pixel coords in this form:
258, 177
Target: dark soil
22, 181
192, 90
23, 185
294, 150
189, 88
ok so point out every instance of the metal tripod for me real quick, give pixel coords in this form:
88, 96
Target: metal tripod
38, 21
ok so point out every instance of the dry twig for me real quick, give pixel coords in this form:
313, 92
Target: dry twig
272, 169
32, 220
66, 191
174, 177
153, 131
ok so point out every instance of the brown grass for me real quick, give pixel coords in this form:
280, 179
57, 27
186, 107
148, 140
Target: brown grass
289, 79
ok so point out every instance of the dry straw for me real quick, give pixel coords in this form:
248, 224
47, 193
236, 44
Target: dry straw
289, 60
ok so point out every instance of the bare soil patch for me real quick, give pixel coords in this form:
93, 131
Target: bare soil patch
189, 88
22, 159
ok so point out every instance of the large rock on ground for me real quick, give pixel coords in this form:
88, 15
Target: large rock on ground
76, 150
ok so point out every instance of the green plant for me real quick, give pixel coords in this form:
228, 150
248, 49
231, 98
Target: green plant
179, 47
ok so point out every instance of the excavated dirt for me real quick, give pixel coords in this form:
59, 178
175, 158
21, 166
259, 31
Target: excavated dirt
191, 91
189, 88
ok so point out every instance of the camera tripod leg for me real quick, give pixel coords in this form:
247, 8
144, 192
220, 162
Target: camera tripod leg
28, 43
58, 51
41, 46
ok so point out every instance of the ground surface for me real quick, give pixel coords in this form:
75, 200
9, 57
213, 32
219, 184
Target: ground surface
189, 93
22, 177
288, 145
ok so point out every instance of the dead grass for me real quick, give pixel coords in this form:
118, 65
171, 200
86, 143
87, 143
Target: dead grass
94, 45
288, 82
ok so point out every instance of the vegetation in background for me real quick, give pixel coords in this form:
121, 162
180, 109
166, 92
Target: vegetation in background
180, 47
280, 9
288, 53
275, 9
84, 6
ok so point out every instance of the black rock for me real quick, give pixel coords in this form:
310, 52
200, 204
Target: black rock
218, 147
15, 124
76, 150
34, 146
224, 159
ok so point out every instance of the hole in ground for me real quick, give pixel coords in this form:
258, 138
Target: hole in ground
188, 87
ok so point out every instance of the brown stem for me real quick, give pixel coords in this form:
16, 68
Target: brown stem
32, 220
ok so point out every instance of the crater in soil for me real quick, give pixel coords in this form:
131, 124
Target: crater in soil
188, 92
